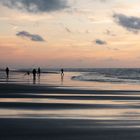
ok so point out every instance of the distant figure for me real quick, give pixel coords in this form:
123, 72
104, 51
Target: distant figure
62, 72
39, 71
27, 73
7, 72
62, 76
34, 75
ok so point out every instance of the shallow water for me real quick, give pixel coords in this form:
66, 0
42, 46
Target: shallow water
69, 82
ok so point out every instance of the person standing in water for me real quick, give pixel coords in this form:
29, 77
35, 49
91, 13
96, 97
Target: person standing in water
7, 72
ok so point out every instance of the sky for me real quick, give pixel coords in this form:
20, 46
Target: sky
70, 33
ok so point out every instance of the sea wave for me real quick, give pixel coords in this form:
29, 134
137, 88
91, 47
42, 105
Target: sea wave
110, 75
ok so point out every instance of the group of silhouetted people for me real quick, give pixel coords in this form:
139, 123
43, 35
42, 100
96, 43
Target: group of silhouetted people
34, 73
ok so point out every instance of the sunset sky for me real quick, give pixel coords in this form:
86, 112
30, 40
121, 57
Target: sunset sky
69, 33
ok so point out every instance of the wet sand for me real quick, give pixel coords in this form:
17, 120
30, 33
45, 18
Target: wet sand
31, 112
55, 129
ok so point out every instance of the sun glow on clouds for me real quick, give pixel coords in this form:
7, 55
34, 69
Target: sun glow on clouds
77, 33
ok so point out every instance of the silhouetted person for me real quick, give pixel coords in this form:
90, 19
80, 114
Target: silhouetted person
39, 71
62, 72
34, 75
62, 76
27, 73
7, 72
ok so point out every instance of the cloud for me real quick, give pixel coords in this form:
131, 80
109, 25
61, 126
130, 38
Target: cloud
36, 6
100, 42
32, 37
131, 23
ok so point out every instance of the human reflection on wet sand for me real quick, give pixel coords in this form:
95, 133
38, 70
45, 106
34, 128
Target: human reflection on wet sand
62, 79
36, 79
39, 74
7, 79
39, 78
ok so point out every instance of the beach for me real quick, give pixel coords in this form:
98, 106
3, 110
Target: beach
69, 70
50, 112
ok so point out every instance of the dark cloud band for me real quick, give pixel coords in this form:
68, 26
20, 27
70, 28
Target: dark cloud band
131, 23
35, 6
100, 42
32, 37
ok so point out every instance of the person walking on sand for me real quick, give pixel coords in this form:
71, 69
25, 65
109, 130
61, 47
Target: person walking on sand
7, 72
